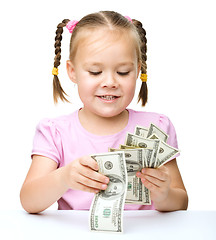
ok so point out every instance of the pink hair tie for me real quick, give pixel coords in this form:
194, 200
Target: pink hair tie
128, 18
71, 25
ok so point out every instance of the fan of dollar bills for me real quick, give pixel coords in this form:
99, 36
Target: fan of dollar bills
146, 148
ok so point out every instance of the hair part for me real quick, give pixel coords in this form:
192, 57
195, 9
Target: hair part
112, 21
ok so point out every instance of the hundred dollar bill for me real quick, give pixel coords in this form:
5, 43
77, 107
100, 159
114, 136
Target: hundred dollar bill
137, 141
106, 212
149, 153
141, 131
161, 134
166, 152
140, 142
151, 158
135, 159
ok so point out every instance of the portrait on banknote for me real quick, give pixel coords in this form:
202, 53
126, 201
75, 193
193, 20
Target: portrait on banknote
133, 167
115, 187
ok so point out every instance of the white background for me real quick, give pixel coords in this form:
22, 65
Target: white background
181, 79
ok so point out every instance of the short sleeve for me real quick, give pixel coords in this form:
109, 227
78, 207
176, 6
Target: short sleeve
47, 141
166, 125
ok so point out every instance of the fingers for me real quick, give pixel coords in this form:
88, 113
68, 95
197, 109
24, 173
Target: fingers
151, 177
157, 181
88, 168
151, 181
159, 173
85, 181
89, 162
79, 186
82, 175
150, 185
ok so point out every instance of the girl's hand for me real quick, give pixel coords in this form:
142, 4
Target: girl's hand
157, 181
81, 174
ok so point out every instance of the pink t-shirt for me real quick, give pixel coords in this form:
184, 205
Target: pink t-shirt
63, 139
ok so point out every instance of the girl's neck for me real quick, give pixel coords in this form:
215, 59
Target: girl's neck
101, 125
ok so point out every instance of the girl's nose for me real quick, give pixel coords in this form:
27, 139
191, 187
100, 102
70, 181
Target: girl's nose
109, 81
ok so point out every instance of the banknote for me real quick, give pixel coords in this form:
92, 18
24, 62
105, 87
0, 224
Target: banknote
166, 152
135, 159
153, 129
106, 212
141, 131
149, 153
133, 140
137, 141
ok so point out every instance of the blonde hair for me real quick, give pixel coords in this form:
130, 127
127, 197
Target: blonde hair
113, 21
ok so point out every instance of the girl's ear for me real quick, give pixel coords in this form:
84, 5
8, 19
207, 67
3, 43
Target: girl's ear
71, 71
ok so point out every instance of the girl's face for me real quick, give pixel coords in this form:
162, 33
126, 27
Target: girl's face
105, 69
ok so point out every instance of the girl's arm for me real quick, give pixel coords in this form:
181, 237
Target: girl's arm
166, 186
45, 183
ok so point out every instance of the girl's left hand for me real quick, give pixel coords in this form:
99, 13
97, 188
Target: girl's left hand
157, 181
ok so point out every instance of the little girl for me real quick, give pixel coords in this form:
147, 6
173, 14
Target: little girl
107, 54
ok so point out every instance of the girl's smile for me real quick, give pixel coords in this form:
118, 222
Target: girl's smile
108, 98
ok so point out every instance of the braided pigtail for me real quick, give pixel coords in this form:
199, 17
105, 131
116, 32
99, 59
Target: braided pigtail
58, 91
143, 94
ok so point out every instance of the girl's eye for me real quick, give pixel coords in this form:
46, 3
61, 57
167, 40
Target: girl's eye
95, 73
123, 73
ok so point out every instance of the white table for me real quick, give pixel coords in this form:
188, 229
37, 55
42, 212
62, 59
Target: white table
51, 224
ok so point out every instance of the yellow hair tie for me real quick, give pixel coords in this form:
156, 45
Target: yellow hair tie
55, 71
143, 77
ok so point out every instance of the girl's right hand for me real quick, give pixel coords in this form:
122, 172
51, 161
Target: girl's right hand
81, 174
